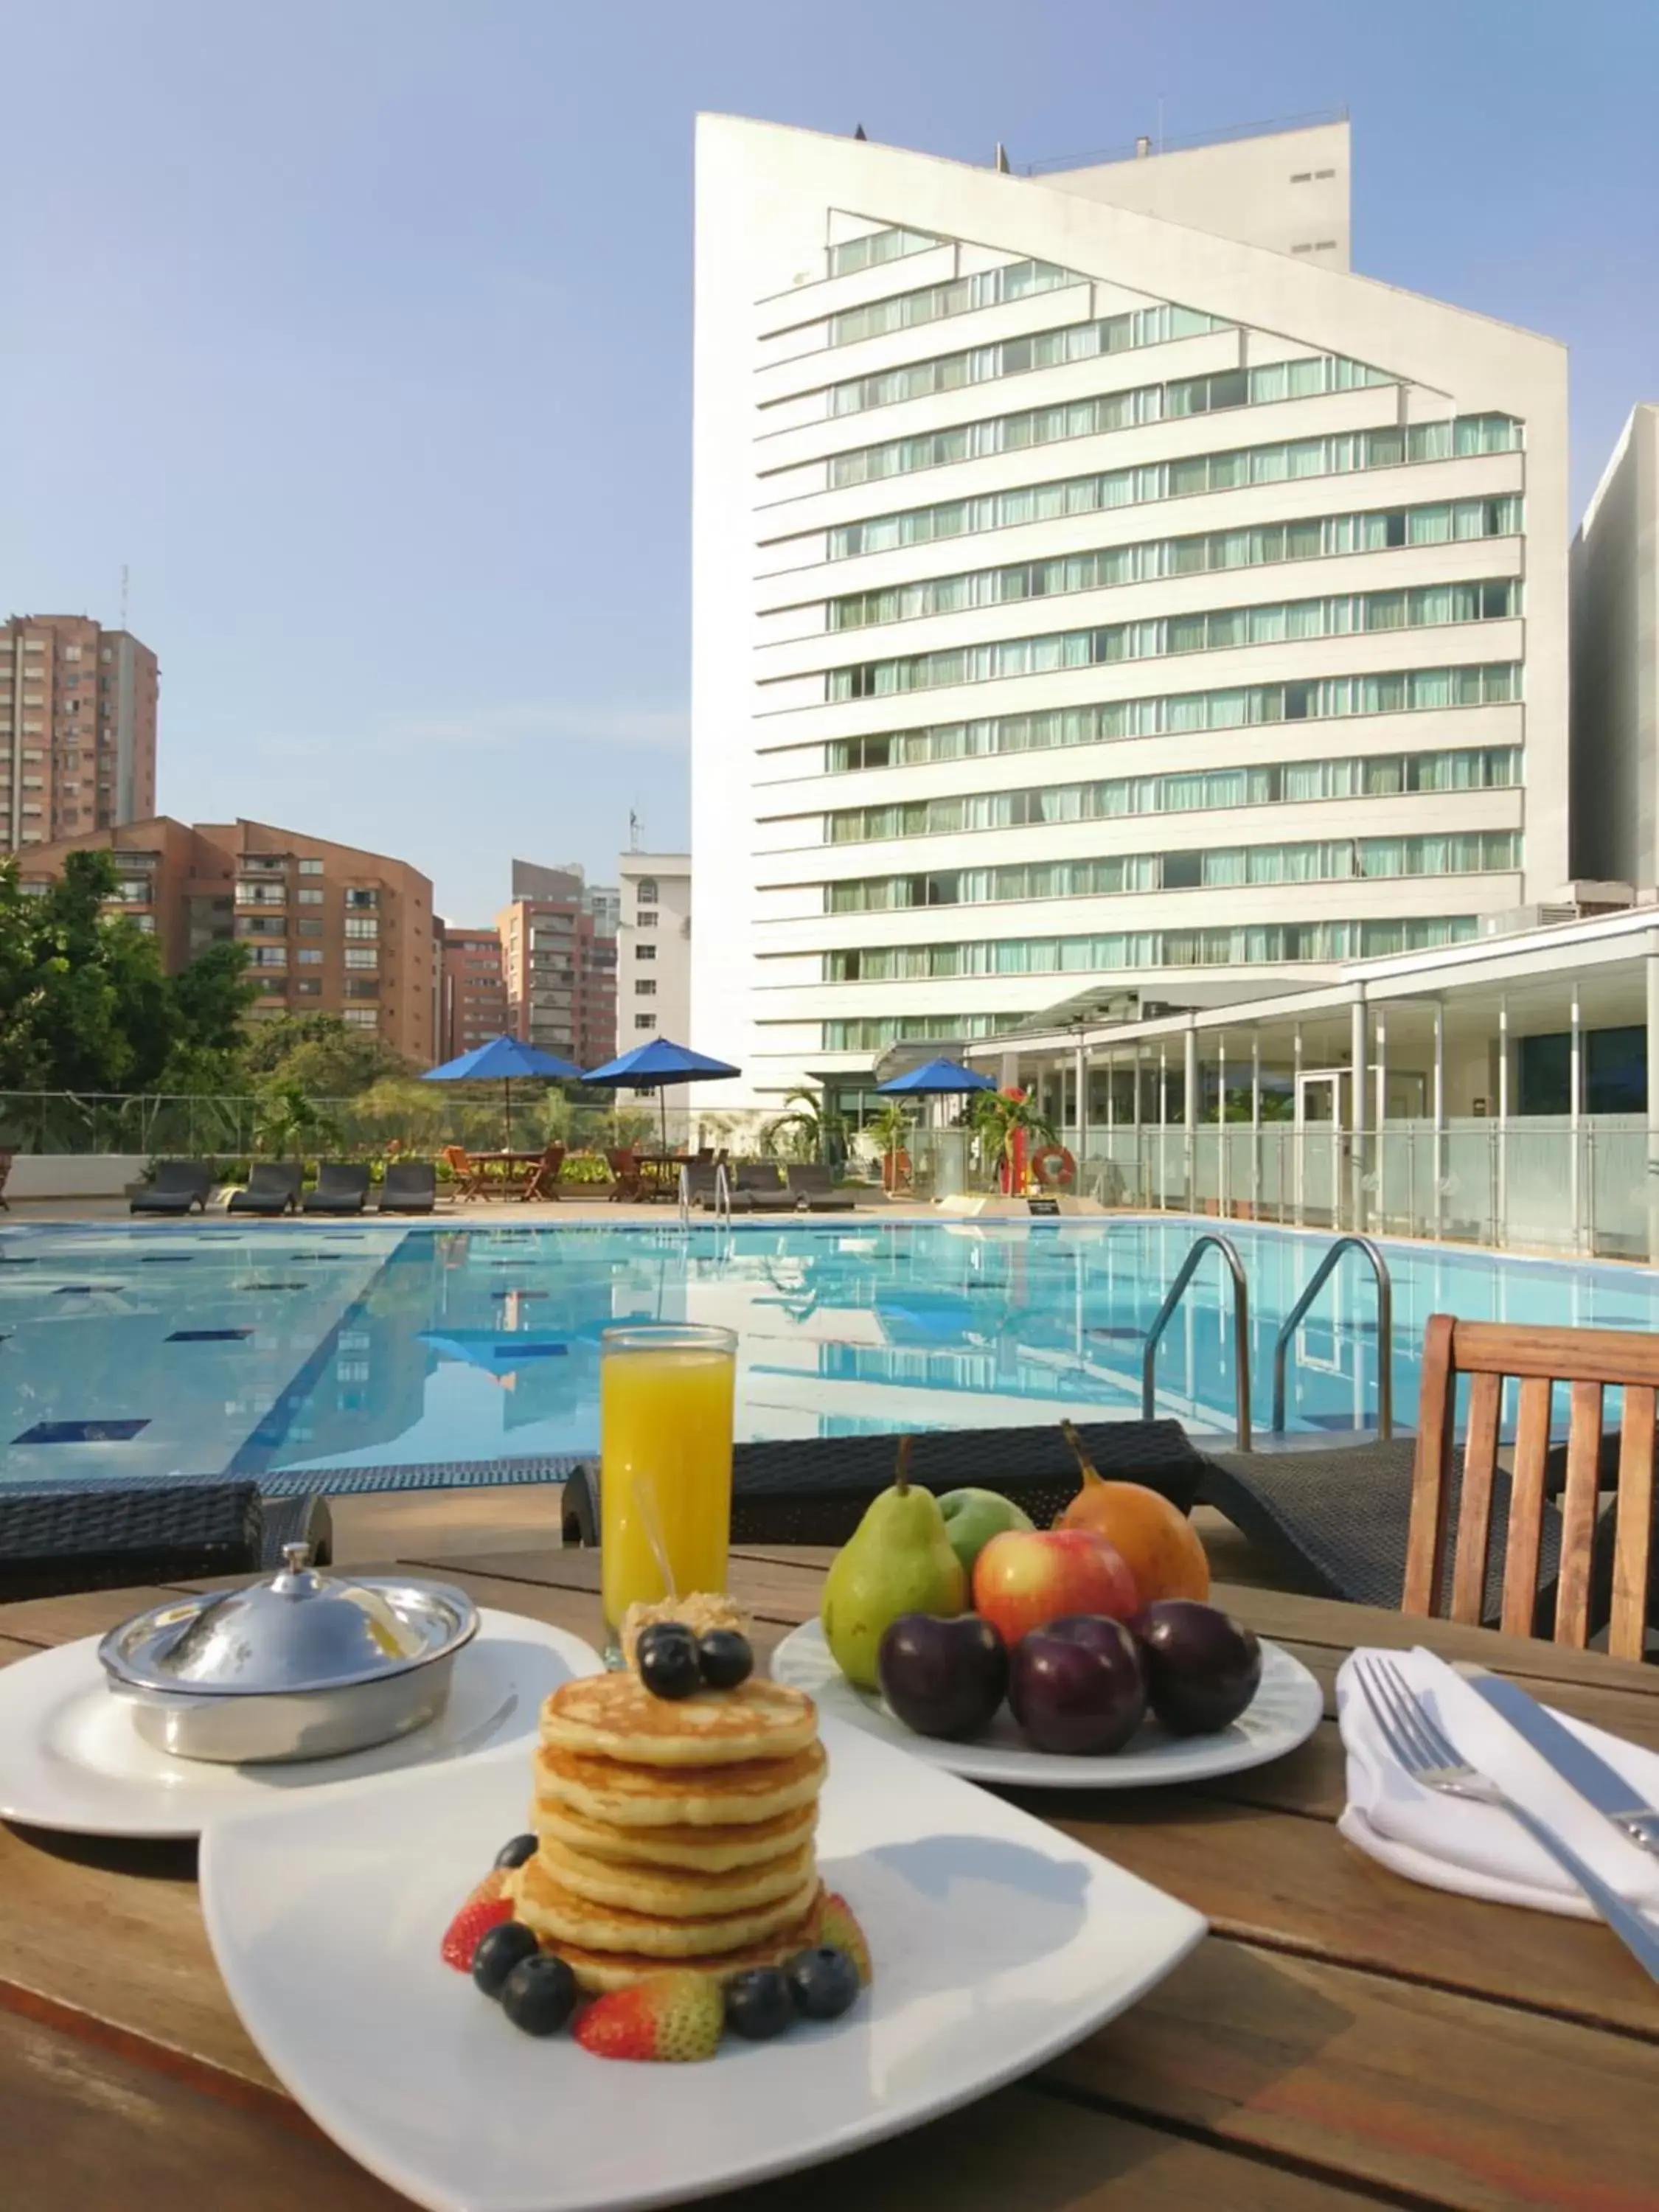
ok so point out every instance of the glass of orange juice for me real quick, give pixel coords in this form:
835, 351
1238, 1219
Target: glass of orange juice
665, 1398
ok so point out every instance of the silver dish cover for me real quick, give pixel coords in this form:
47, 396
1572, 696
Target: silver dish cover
299, 1631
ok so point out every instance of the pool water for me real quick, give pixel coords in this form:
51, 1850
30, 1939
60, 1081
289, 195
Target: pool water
362, 1356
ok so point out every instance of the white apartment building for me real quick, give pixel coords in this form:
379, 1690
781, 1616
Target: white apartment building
654, 951
1101, 597
1615, 664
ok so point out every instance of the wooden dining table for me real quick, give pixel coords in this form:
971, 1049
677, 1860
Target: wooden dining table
1342, 2038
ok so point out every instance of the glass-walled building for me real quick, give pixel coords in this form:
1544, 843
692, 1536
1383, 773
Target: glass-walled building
1102, 596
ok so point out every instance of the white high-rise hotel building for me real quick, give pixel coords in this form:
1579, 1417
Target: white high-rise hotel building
1101, 595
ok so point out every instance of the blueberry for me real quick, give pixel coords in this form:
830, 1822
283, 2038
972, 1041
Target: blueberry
500, 1949
758, 2004
515, 1853
540, 1995
726, 1658
823, 1982
667, 1656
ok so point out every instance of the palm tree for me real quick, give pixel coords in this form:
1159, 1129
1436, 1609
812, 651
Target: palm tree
807, 1130
289, 1122
1001, 1115
889, 1125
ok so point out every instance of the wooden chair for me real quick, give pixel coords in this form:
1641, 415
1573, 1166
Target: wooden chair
626, 1181
543, 1181
467, 1175
1589, 1360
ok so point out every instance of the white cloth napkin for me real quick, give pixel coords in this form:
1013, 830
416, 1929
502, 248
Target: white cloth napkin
1452, 1844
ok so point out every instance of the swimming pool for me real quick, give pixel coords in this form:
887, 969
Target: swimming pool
358, 1356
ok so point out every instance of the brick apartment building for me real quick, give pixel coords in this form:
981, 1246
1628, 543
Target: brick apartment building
558, 940
329, 929
77, 728
472, 1006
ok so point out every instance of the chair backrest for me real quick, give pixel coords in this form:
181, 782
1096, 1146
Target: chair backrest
409, 1177
553, 1156
345, 1178
178, 1175
276, 1176
456, 1160
811, 1175
755, 1175
1588, 1360
623, 1162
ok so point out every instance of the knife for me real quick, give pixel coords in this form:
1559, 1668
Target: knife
1586, 1770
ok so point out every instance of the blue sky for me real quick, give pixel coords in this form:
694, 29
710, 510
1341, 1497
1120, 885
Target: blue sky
360, 329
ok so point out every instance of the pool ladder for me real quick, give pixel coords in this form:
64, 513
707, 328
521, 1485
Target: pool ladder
722, 1196
1293, 1321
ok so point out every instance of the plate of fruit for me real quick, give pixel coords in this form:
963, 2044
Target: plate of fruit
1084, 1654
730, 1943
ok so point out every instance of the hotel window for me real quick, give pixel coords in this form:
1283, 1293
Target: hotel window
646, 892
989, 287
269, 956
877, 246
645, 1021
309, 925
362, 956
645, 988
645, 951
1412, 690
647, 920
311, 867
363, 925
362, 898
1426, 606
363, 1018
309, 959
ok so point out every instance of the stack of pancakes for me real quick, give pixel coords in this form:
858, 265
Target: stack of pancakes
672, 1832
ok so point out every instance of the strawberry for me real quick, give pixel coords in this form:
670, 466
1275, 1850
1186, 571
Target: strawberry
836, 1923
676, 2016
485, 1908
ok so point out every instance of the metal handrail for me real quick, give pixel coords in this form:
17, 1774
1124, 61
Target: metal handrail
1294, 1319
1172, 1298
722, 1195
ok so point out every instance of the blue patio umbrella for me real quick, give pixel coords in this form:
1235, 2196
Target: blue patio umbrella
652, 1066
934, 1078
501, 1060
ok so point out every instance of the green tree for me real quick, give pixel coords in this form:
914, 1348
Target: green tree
807, 1130
319, 1054
1000, 1117
84, 1003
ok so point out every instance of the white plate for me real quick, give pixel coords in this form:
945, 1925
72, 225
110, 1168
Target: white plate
997, 1942
71, 1758
1285, 1712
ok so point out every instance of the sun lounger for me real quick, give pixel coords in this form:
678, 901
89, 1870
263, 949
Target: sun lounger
410, 1187
812, 1189
273, 1188
112, 1536
341, 1187
175, 1187
755, 1188
813, 1490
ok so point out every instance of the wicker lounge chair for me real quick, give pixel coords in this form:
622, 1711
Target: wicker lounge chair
812, 1190
175, 1187
341, 1187
814, 1490
409, 1186
755, 1188
272, 1187
54, 1540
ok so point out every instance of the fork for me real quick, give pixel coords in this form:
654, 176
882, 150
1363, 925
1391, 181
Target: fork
1429, 1757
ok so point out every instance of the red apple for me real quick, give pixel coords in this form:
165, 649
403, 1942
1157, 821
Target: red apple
1026, 1578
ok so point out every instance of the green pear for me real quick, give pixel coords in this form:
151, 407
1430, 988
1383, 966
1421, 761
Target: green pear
972, 1517
898, 1559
